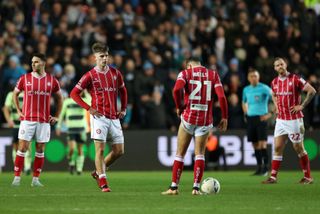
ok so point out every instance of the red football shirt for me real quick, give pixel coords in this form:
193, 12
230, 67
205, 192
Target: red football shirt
37, 94
103, 87
200, 83
288, 93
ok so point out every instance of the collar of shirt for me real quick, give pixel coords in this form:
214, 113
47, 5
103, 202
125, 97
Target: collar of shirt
105, 70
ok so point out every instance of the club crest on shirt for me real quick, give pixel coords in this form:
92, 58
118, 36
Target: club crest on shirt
49, 84
290, 83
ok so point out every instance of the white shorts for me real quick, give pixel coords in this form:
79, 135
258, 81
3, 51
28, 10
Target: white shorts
293, 128
28, 129
194, 129
106, 130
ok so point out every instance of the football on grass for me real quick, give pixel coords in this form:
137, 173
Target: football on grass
210, 186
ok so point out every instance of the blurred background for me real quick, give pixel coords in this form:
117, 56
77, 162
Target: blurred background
149, 41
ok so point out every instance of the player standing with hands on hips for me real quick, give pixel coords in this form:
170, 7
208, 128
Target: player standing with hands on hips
286, 95
35, 115
104, 84
193, 95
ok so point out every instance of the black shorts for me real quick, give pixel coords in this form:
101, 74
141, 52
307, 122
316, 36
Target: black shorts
256, 129
15, 134
78, 137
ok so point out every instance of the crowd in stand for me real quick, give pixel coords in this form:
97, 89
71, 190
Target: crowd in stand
149, 41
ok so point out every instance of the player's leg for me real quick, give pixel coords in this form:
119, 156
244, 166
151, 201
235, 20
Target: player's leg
71, 153
304, 163
80, 155
258, 156
99, 163
279, 145
42, 137
252, 131
115, 137
38, 164
183, 142
99, 133
199, 151
28, 161
262, 146
19, 161
117, 150
26, 131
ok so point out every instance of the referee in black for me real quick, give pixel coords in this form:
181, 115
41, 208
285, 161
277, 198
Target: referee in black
255, 98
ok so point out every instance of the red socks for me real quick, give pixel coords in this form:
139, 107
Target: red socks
18, 163
198, 169
177, 169
38, 164
305, 165
275, 165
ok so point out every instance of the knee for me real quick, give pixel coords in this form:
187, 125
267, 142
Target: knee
119, 153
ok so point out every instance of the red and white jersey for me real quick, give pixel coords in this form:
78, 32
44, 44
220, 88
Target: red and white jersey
103, 87
200, 83
37, 94
287, 90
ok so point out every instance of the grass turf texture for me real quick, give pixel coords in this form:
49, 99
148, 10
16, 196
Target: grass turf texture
139, 192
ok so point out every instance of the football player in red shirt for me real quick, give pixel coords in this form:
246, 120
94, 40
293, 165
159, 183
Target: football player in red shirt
35, 115
193, 95
104, 83
286, 95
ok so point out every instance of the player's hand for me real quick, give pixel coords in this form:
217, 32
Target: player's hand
295, 109
20, 113
53, 120
95, 113
121, 114
222, 126
179, 112
58, 132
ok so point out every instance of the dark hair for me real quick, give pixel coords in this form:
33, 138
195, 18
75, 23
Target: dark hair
40, 55
193, 59
99, 47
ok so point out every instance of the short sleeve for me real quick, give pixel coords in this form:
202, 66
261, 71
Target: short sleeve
120, 80
217, 81
56, 85
20, 83
244, 97
299, 82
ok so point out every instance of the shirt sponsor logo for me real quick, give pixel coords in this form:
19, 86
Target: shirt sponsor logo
284, 93
38, 93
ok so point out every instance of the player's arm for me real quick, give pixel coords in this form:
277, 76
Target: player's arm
75, 95
6, 110
59, 101
178, 93
15, 98
222, 126
124, 101
60, 119
311, 92
274, 100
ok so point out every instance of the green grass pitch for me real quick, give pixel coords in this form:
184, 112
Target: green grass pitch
139, 192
